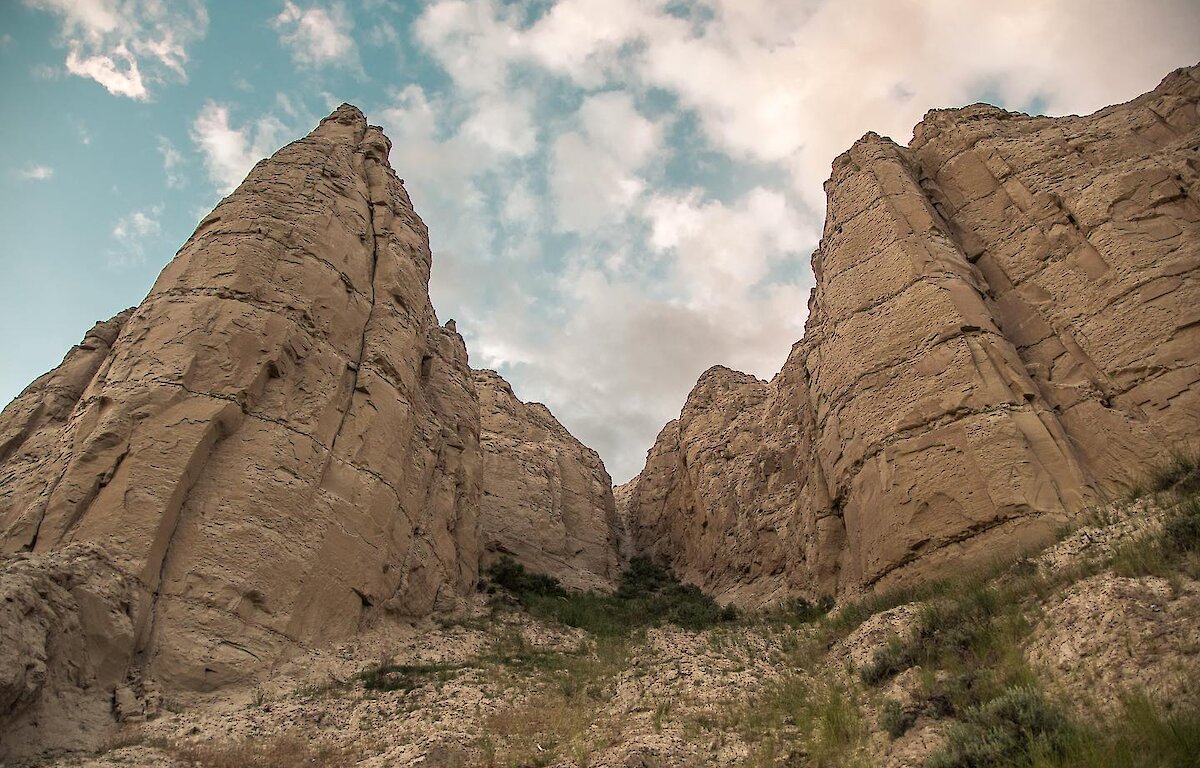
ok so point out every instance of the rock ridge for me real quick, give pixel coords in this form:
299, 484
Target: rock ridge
541, 492
280, 446
1003, 330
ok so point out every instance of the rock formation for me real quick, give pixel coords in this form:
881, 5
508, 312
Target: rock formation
542, 490
66, 627
1004, 327
279, 443
282, 437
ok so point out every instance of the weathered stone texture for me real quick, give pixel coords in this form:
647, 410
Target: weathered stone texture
66, 637
281, 440
1004, 327
279, 444
546, 498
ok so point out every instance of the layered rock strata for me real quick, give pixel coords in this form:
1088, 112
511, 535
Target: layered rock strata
547, 500
1004, 328
282, 438
279, 444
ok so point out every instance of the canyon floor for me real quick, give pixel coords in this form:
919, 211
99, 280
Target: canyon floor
1085, 653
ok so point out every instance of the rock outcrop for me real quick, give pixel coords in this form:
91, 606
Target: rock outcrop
66, 627
1004, 328
278, 445
547, 500
282, 438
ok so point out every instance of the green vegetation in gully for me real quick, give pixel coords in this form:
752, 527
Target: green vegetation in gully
648, 595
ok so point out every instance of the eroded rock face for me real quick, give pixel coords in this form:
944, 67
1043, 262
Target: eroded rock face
546, 498
66, 637
281, 440
1004, 327
277, 446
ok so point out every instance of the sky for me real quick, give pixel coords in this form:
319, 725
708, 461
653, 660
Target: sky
620, 193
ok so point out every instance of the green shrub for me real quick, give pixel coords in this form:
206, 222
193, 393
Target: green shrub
805, 612
893, 718
647, 595
404, 677
1007, 732
644, 577
1180, 473
511, 575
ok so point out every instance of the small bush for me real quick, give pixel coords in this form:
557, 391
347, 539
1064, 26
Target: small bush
890, 660
893, 718
511, 575
806, 612
404, 677
1180, 473
647, 595
1010, 731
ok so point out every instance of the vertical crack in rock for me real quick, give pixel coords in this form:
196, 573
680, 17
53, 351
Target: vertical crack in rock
362, 341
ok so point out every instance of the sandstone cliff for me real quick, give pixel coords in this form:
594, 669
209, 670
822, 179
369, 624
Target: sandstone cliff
1004, 327
280, 443
281, 438
547, 500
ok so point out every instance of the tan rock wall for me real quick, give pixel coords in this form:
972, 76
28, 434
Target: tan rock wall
283, 439
1003, 329
66, 637
547, 500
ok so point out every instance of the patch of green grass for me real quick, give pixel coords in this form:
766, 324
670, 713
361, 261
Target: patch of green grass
510, 650
1142, 735
1167, 552
850, 615
1010, 730
1022, 729
648, 595
1179, 474
894, 719
405, 677
1181, 529
975, 631
819, 720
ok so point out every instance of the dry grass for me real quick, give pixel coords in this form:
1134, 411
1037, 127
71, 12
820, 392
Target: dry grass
287, 751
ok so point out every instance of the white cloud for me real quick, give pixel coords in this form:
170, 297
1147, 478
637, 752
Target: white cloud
131, 232
723, 251
317, 36
171, 160
229, 153
127, 46
36, 173
797, 83
117, 70
594, 178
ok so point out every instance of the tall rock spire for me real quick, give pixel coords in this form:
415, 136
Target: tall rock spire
282, 439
